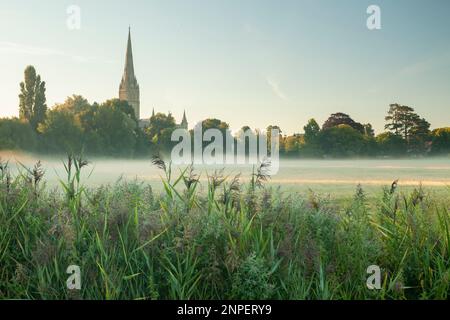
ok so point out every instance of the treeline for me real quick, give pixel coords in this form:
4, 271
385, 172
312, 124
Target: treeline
111, 129
108, 129
407, 134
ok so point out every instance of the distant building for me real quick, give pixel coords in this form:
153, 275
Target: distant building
184, 123
143, 123
129, 89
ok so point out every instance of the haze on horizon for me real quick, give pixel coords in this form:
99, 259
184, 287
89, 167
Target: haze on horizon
250, 63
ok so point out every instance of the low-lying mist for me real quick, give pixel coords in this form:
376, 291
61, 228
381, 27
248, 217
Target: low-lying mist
295, 174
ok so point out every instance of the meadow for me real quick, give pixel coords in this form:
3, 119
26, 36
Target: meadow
217, 236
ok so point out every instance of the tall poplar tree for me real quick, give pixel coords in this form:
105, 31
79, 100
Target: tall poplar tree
32, 100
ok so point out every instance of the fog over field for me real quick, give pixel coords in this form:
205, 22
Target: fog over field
328, 176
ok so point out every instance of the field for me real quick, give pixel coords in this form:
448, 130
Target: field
221, 236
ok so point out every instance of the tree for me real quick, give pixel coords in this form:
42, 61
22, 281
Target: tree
16, 134
61, 132
292, 145
107, 129
390, 144
311, 146
75, 104
312, 130
440, 141
213, 123
340, 118
342, 141
116, 127
400, 120
420, 136
368, 130
159, 130
32, 101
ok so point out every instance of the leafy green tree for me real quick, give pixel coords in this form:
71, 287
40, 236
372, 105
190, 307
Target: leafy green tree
390, 144
213, 123
400, 120
440, 141
143, 144
160, 130
342, 141
311, 146
370, 147
292, 145
340, 118
420, 136
116, 127
106, 129
61, 132
368, 130
32, 101
75, 104
16, 134
312, 131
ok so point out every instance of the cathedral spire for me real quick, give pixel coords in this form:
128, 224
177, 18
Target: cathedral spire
129, 87
184, 122
129, 65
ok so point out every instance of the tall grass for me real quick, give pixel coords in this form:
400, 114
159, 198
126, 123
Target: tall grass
234, 241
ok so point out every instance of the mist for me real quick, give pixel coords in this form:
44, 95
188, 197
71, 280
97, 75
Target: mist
324, 175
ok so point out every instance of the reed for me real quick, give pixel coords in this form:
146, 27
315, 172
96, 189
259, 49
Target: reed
230, 241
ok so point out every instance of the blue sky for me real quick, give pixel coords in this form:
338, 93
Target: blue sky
250, 62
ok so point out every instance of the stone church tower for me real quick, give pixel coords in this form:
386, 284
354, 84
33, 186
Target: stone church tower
129, 87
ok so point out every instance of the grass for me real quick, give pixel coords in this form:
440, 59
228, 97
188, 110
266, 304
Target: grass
233, 241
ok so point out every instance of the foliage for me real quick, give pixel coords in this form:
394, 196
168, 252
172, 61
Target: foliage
106, 129
111, 129
212, 123
337, 119
391, 144
160, 130
441, 141
61, 131
402, 120
342, 141
32, 105
231, 242
17, 134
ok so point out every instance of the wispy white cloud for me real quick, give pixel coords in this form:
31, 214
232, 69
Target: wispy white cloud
9, 48
276, 89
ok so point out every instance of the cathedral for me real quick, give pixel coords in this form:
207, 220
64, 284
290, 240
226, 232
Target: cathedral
129, 89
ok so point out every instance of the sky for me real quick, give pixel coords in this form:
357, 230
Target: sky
251, 62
